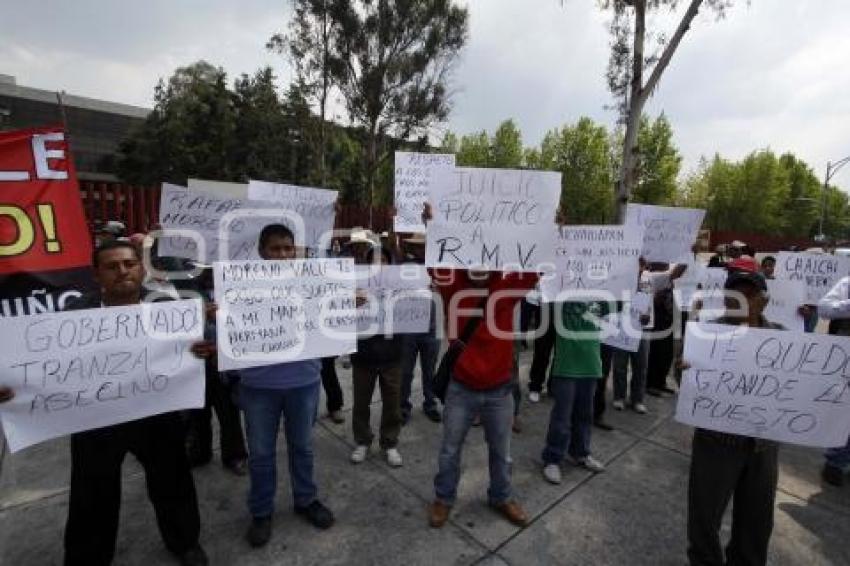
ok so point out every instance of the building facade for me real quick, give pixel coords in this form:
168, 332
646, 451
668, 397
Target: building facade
95, 128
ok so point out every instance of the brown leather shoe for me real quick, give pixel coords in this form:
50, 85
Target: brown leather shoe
438, 514
513, 512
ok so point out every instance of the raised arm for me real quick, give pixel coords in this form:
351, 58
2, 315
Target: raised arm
836, 303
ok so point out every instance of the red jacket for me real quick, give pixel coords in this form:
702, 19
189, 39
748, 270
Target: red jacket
487, 361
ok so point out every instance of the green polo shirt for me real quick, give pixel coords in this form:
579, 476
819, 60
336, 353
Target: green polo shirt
577, 341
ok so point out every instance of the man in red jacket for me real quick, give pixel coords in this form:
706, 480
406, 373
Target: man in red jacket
482, 382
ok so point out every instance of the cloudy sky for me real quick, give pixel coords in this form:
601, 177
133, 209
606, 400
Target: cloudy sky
772, 74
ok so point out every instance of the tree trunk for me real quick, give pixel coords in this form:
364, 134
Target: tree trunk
323, 102
626, 182
371, 164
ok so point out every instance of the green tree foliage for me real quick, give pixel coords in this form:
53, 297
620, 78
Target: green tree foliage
189, 131
391, 61
765, 194
659, 162
506, 150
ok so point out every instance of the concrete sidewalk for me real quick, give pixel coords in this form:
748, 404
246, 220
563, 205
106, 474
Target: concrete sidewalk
634, 513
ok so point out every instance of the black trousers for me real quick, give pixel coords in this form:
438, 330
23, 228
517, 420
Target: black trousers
722, 470
95, 498
543, 346
661, 353
219, 398
330, 382
606, 353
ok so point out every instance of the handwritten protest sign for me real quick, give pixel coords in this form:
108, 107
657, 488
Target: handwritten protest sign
398, 299
227, 224
79, 370
786, 298
316, 207
595, 258
820, 272
669, 233
770, 384
623, 330
705, 291
415, 174
271, 312
494, 219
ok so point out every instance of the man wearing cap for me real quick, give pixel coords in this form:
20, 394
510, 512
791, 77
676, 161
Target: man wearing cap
726, 466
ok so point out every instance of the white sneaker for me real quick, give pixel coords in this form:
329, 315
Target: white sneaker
592, 464
618, 404
640, 408
534, 397
552, 473
359, 454
394, 458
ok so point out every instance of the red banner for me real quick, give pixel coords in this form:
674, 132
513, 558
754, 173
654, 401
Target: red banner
45, 249
42, 224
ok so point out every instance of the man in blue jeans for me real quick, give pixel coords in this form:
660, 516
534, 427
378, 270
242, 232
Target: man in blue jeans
290, 390
424, 345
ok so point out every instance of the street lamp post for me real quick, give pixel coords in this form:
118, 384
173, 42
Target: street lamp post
831, 169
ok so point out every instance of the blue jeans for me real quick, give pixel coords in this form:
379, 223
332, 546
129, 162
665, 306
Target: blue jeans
426, 347
639, 360
839, 457
571, 419
263, 409
496, 407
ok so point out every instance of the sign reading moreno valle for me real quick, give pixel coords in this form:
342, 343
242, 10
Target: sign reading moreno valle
80, 370
272, 312
771, 384
494, 219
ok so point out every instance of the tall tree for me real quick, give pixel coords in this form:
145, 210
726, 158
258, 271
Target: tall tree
188, 133
658, 164
308, 46
629, 62
392, 60
506, 146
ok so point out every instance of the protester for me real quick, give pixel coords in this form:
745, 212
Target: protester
218, 398
157, 442
482, 383
729, 466
333, 390
606, 355
768, 266
378, 359
424, 345
576, 368
543, 343
658, 280
290, 390
638, 359
835, 307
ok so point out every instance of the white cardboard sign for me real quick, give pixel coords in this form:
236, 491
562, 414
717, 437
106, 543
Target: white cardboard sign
415, 174
80, 370
770, 384
820, 272
272, 312
669, 232
786, 298
593, 258
227, 225
398, 299
494, 219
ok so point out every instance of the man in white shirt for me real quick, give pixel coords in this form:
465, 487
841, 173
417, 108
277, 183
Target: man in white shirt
835, 306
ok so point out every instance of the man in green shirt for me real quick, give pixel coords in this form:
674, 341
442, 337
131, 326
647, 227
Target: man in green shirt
576, 367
